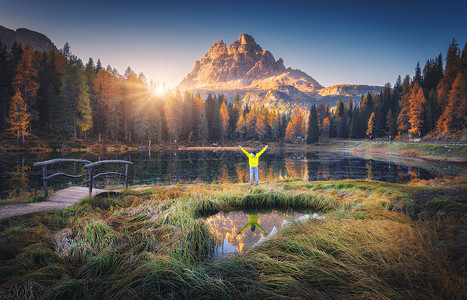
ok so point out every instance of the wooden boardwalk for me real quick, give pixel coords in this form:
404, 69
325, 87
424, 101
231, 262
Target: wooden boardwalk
59, 200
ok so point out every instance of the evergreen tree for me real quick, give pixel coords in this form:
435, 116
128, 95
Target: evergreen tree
313, 127
391, 125
452, 68
355, 125
418, 75
4, 86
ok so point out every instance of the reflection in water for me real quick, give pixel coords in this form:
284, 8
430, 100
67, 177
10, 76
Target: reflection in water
18, 180
231, 239
253, 224
209, 166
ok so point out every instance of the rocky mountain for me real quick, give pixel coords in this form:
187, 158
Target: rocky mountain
350, 90
245, 68
38, 41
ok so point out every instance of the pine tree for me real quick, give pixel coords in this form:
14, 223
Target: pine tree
261, 124
370, 132
452, 68
391, 125
18, 117
418, 75
355, 125
326, 127
313, 127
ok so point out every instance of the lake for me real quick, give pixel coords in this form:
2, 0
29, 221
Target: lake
18, 175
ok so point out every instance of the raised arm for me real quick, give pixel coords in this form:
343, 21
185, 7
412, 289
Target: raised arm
244, 151
264, 149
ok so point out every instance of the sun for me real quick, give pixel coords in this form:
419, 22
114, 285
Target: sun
160, 90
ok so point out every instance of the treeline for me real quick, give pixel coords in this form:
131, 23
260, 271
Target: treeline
54, 93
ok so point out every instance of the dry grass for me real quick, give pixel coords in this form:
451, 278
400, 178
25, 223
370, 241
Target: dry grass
153, 245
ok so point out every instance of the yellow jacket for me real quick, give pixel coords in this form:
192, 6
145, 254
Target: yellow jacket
252, 220
253, 160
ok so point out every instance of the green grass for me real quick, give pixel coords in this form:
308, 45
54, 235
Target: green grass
378, 240
417, 150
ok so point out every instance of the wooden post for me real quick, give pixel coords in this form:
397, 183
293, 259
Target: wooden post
126, 175
44, 175
90, 183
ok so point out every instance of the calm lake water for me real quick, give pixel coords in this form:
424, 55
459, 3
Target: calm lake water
17, 173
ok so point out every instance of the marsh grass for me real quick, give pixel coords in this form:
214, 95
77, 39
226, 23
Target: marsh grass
153, 245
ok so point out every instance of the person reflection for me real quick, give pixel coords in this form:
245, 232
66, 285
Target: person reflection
253, 224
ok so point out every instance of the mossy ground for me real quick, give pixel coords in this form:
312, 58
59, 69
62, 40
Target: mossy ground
378, 240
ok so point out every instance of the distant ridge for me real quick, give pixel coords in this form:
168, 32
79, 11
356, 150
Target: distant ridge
37, 41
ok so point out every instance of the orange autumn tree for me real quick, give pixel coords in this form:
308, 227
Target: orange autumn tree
455, 114
18, 117
289, 132
371, 125
25, 83
224, 112
298, 121
416, 110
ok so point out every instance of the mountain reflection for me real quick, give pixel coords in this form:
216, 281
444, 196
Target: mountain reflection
233, 229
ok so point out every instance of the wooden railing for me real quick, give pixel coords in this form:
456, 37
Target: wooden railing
46, 163
88, 167
90, 171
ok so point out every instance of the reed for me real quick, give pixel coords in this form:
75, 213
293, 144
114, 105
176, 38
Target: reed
153, 245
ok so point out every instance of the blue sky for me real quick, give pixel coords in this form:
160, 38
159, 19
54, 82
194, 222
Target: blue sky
334, 41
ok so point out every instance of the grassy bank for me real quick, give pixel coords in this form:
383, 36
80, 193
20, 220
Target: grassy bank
378, 240
455, 153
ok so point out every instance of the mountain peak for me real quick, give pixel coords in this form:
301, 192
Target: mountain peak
37, 41
246, 39
243, 66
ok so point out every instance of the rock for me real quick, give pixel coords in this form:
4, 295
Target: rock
37, 41
244, 67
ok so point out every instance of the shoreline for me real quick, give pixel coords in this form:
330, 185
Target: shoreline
433, 152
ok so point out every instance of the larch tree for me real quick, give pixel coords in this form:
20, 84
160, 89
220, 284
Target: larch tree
18, 117
25, 80
290, 132
84, 117
454, 116
417, 110
370, 131
224, 115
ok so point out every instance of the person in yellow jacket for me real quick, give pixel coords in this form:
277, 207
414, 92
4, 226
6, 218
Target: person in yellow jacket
253, 161
253, 224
